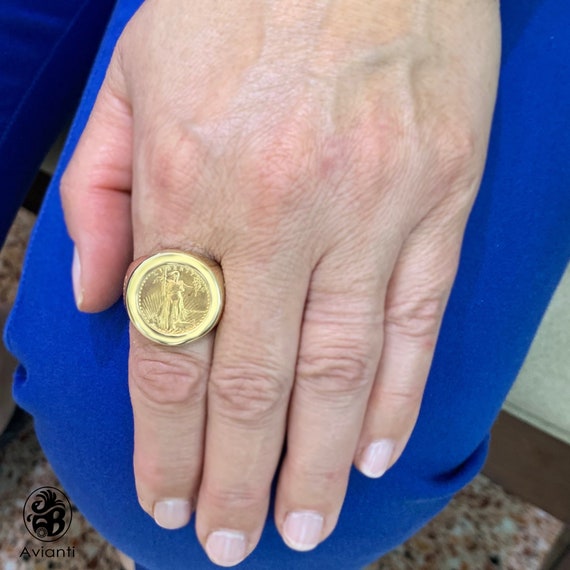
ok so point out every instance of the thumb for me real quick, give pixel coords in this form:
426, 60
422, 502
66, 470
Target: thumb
96, 197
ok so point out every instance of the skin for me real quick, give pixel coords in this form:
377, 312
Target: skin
327, 155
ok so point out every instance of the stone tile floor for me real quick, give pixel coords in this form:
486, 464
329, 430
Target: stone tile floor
483, 528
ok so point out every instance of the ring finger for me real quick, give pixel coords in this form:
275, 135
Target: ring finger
168, 395
167, 384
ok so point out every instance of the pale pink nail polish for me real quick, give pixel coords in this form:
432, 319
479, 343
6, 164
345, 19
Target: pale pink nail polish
376, 458
76, 279
302, 530
226, 547
172, 513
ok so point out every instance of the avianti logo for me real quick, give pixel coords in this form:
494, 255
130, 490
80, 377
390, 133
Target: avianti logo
47, 514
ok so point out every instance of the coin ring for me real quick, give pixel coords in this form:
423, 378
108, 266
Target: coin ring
210, 274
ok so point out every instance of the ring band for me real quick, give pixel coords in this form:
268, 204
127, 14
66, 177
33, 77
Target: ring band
174, 297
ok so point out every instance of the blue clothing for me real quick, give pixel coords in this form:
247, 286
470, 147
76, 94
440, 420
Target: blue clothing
46, 50
73, 372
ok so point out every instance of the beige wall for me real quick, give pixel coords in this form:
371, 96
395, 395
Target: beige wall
541, 394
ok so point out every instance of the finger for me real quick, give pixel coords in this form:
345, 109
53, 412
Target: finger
167, 385
168, 388
338, 357
95, 191
252, 372
415, 302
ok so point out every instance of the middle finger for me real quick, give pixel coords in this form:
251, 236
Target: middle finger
248, 395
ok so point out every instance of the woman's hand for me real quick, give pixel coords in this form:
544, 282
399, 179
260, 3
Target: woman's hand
326, 154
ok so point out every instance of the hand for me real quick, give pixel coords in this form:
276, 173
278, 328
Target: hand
327, 155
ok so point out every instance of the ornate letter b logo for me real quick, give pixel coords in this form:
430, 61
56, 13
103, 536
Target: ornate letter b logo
47, 514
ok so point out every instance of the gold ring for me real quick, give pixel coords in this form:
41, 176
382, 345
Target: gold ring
174, 297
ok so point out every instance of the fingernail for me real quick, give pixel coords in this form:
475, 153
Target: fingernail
226, 547
172, 513
376, 458
76, 279
302, 530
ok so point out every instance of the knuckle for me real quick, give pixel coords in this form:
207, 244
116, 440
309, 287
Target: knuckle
381, 156
336, 370
169, 379
281, 168
248, 396
381, 143
415, 317
244, 497
401, 396
455, 148
172, 161
319, 476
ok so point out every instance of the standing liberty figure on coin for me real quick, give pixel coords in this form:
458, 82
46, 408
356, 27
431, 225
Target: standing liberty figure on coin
174, 297
173, 311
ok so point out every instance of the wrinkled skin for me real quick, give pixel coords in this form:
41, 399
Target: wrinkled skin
327, 155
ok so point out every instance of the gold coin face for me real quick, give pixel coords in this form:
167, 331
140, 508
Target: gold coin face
173, 297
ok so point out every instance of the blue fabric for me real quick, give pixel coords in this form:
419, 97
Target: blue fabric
73, 369
46, 50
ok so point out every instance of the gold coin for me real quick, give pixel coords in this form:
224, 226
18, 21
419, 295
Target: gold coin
174, 297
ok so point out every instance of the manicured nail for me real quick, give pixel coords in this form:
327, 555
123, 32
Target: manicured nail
302, 530
76, 279
376, 458
226, 547
172, 513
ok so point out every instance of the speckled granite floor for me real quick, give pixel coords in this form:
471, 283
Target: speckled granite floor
482, 529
